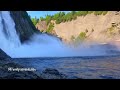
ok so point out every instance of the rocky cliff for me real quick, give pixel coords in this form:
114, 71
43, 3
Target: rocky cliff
23, 24
96, 28
42, 26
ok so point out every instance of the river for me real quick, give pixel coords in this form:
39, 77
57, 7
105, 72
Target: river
91, 67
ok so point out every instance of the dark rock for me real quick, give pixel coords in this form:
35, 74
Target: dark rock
3, 55
23, 24
5, 74
106, 77
6, 62
50, 73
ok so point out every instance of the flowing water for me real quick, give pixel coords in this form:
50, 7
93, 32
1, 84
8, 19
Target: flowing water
91, 67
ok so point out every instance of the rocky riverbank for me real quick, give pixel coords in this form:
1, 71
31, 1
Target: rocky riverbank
6, 63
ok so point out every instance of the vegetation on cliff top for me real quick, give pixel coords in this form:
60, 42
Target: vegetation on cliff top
34, 20
62, 17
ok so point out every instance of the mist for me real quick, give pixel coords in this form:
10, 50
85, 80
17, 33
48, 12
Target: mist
43, 45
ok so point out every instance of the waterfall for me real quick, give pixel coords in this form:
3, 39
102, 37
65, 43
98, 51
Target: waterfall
8, 34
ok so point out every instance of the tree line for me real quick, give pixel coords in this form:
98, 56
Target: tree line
65, 17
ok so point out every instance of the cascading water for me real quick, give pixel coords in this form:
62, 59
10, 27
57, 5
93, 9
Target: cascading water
8, 35
40, 45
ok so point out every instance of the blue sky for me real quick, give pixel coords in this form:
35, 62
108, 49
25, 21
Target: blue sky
39, 14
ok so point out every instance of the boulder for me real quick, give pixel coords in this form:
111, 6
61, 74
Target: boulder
50, 73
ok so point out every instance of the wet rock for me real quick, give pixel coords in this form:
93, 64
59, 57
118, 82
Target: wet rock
50, 73
106, 77
6, 62
5, 74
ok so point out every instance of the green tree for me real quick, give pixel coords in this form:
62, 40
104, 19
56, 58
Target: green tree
48, 19
90, 12
35, 20
42, 19
62, 17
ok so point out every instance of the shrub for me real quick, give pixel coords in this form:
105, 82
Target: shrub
50, 28
90, 12
42, 19
81, 37
98, 12
105, 12
48, 19
111, 30
35, 20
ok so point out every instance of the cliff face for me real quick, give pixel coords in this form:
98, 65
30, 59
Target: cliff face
23, 24
100, 28
42, 26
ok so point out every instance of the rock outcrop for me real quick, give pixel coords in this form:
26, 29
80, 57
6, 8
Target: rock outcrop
6, 62
100, 28
5, 74
51, 73
23, 24
42, 26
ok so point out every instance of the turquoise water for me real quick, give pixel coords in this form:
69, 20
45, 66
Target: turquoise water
94, 67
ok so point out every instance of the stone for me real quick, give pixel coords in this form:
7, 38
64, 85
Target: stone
50, 73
